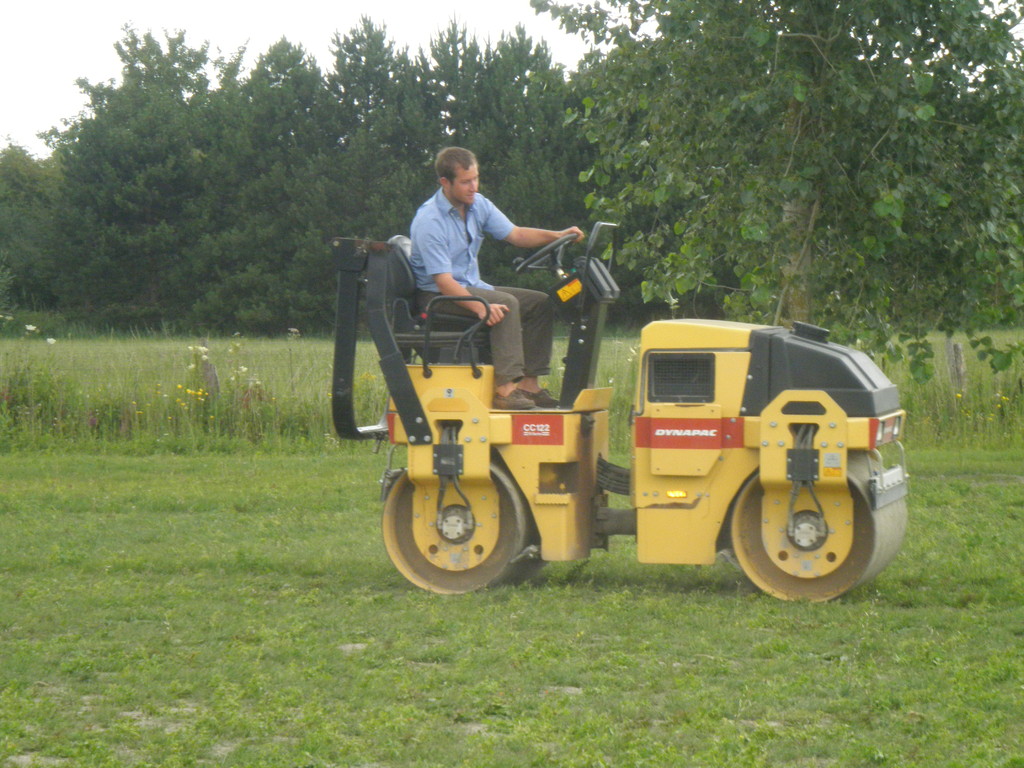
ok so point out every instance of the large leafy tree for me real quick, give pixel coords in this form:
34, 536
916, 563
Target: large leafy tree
856, 163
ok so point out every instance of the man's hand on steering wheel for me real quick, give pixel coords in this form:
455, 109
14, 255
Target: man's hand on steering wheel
566, 236
580, 236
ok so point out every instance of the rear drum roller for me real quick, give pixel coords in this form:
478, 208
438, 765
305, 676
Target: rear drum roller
464, 561
877, 536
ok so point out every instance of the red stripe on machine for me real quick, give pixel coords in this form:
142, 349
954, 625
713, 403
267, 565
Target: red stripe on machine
537, 430
688, 433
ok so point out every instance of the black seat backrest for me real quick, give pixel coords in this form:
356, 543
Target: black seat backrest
401, 290
403, 282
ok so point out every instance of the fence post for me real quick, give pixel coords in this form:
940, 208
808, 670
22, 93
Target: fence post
210, 373
957, 364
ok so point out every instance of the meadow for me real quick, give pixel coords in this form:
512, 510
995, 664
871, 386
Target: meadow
159, 394
190, 578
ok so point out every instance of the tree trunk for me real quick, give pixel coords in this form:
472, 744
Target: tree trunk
795, 296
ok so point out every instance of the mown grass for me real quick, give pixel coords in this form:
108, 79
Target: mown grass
157, 394
196, 578
239, 610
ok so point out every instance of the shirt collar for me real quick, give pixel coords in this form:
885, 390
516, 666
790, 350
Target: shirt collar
446, 205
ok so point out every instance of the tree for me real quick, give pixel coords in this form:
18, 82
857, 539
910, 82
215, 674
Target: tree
855, 163
28, 193
133, 175
262, 260
387, 131
508, 103
196, 196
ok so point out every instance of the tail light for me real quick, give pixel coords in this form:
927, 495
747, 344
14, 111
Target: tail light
886, 430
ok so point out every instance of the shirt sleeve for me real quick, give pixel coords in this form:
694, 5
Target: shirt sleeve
434, 252
495, 223
431, 254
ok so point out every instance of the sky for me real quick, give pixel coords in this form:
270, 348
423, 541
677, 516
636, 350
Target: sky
46, 46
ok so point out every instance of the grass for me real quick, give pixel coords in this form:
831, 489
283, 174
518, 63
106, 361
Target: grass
195, 577
239, 610
158, 394
988, 409
172, 395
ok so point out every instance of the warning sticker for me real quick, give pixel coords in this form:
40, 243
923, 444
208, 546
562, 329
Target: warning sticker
570, 289
832, 465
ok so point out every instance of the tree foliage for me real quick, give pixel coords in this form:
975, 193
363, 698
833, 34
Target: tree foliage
28, 193
133, 183
854, 163
194, 194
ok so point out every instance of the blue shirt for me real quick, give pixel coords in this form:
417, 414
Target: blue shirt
443, 242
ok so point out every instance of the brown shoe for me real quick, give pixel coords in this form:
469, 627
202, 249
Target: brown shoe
542, 399
515, 401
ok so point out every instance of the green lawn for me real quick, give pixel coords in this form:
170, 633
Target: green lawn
239, 610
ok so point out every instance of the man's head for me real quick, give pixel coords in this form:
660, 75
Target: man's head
458, 175
451, 160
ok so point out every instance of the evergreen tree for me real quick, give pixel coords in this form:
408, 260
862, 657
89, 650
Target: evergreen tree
134, 170
28, 247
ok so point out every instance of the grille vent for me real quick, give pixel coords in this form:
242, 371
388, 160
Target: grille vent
681, 378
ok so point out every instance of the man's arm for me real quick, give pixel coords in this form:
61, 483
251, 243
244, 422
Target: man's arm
528, 237
448, 286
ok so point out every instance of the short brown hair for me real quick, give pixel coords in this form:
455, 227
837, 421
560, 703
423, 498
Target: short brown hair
451, 159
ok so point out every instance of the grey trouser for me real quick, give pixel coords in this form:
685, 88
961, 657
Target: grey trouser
521, 342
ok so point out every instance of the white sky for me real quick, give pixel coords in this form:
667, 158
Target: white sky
46, 46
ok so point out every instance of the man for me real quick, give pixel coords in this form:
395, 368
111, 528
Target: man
446, 234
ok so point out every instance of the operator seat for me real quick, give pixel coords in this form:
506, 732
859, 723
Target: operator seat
450, 340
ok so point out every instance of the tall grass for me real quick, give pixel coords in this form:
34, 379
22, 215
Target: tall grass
180, 395
986, 410
158, 392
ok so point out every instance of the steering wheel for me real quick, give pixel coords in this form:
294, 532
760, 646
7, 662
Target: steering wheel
537, 257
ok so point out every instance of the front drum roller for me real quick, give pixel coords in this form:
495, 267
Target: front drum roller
877, 536
501, 550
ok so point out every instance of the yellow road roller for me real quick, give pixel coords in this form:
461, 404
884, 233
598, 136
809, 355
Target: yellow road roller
770, 446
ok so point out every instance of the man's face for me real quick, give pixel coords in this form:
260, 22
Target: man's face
461, 190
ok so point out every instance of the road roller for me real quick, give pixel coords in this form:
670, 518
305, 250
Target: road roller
770, 446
